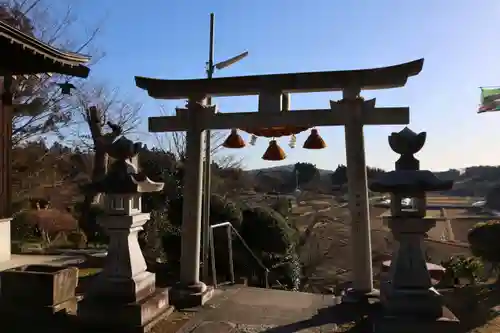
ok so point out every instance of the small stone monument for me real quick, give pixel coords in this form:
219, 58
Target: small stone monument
124, 296
410, 302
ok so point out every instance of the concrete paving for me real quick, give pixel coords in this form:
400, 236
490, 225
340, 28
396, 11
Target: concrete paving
239, 309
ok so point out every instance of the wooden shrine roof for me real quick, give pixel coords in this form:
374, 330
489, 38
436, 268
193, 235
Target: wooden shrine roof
23, 54
374, 78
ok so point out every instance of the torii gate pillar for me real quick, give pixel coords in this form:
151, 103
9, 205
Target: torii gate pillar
357, 183
191, 291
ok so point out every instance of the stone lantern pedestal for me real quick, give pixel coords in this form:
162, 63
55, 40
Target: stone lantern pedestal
410, 302
409, 289
123, 296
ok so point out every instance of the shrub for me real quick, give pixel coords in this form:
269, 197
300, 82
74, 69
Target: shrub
460, 266
288, 271
174, 211
224, 210
171, 244
268, 234
484, 241
282, 206
60, 241
47, 222
22, 229
150, 237
77, 239
265, 230
91, 227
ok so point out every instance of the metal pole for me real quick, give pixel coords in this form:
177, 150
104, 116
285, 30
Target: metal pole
208, 162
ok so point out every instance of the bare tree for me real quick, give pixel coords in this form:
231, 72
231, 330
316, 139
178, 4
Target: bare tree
95, 109
94, 106
39, 106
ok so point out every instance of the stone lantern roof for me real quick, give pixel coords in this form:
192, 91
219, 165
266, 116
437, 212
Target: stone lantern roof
123, 177
409, 181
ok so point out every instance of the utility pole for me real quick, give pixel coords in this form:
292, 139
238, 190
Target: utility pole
207, 170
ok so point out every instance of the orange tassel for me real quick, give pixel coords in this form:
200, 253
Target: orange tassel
314, 141
274, 152
234, 140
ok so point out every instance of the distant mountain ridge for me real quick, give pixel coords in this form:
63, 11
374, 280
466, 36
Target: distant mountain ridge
470, 181
288, 167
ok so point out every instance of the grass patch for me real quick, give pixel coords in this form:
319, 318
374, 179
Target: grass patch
86, 272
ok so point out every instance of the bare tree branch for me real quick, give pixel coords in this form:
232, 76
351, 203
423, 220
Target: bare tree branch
40, 108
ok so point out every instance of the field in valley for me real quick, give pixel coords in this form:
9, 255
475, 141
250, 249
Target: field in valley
327, 252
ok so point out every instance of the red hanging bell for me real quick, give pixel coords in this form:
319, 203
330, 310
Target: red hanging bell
234, 140
274, 152
314, 141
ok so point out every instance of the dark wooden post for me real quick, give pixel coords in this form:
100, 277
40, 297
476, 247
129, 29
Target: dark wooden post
6, 150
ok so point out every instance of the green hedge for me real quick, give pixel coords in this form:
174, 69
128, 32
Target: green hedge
484, 241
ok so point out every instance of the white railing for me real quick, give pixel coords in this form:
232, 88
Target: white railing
230, 230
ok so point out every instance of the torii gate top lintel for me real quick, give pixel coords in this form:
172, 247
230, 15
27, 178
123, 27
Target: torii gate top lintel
365, 79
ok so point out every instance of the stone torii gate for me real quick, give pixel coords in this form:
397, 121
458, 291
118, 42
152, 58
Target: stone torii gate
352, 112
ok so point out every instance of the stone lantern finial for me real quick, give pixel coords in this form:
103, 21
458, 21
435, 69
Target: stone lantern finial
407, 143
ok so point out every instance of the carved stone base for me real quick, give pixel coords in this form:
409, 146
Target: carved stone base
422, 302
101, 315
446, 323
123, 290
185, 297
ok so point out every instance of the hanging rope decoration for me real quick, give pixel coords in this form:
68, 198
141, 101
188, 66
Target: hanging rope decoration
274, 152
253, 139
293, 141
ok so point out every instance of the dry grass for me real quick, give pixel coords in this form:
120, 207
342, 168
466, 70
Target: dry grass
441, 199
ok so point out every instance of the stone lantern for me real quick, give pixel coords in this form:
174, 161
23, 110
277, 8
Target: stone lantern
410, 302
123, 296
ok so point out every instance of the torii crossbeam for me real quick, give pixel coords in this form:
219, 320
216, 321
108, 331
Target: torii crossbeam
352, 112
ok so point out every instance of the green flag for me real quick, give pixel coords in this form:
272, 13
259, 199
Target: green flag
490, 100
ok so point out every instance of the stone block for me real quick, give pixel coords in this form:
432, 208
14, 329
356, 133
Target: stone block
38, 285
445, 323
185, 298
103, 315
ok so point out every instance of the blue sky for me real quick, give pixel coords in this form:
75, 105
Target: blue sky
458, 39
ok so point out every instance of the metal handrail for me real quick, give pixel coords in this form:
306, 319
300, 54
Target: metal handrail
230, 229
